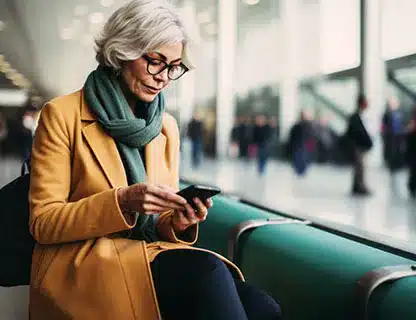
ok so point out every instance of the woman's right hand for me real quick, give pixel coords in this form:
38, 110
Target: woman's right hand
149, 199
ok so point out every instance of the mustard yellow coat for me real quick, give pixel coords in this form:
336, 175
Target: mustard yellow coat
82, 269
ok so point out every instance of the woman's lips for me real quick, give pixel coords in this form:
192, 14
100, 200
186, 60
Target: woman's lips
151, 89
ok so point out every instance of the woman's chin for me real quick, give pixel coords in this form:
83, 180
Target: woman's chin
146, 97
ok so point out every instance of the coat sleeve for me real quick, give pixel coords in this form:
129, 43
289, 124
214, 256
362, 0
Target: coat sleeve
53, 219
164, 224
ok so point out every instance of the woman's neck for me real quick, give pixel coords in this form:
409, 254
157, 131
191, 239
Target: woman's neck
130, 97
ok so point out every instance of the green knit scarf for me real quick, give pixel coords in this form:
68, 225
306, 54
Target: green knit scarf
105, 98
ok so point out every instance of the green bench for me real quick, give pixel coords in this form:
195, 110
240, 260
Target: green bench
312, 272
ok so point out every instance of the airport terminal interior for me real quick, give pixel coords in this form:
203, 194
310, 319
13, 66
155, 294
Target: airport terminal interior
264, 113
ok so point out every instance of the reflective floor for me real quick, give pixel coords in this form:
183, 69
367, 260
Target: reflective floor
323, 195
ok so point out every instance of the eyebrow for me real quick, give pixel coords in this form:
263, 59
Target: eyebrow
164, 57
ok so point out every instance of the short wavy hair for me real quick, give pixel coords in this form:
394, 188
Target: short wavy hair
138, 27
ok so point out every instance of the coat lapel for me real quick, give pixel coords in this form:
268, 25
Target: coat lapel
103, 147
156, 169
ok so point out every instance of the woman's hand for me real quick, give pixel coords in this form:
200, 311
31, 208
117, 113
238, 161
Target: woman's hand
182, 220
149, 199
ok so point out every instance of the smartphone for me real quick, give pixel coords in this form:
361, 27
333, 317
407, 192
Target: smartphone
198, 191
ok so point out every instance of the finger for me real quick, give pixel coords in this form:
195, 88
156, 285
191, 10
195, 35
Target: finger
181, 220
190, 214
201, 208
201, 212
167, 205
209, 203
167, 187
167, 195
152, 209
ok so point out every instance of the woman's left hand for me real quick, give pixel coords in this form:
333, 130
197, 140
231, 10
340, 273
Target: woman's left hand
182, 220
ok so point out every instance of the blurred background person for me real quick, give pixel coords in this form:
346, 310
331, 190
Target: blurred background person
244, 134
196, 135
411, 155
274, 136
234, 139
361, 143
261, 138
393, 139
3, 133
325, 140
302, 143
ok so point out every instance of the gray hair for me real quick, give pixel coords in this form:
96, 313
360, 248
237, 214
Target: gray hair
138, 27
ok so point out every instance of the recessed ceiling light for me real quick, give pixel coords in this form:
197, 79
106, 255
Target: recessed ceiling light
107, 3
96, 17
81, 10
251, 2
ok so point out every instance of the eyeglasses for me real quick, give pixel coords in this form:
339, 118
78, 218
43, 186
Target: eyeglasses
156, 66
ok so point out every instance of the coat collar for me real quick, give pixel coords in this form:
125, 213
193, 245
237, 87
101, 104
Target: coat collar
106, 152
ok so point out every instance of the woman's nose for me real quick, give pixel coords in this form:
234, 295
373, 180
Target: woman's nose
163, 76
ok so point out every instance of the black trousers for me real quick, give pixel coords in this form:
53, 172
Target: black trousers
197, 285
358, 182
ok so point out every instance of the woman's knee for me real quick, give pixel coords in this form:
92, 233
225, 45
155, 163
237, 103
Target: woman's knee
257, 303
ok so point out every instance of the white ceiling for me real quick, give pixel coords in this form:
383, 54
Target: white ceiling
31, 39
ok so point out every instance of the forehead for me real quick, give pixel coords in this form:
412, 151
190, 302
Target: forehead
170, 51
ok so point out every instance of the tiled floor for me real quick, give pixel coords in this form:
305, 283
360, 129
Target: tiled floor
323, 195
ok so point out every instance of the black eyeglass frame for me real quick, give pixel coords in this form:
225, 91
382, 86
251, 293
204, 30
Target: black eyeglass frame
166, 66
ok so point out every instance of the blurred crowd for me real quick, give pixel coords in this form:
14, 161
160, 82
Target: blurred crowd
311, 140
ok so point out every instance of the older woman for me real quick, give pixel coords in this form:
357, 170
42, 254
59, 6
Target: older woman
114, 239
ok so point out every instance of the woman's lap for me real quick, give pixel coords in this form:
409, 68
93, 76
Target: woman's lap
197, 285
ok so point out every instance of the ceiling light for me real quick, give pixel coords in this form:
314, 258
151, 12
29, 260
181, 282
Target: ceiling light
204, 17
107, 3
2, 25
96, 17
81, 10
251, 2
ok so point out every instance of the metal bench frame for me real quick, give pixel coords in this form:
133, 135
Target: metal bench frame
250, 225
371, 280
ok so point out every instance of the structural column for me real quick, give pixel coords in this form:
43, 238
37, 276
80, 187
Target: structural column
289, 93
186, 85
227, 41
372, 80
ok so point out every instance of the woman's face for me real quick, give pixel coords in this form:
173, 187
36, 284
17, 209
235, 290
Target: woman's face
144, 85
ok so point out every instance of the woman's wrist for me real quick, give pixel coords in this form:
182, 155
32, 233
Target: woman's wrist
123, 202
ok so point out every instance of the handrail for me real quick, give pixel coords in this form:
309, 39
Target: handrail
371, 280
249, 225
